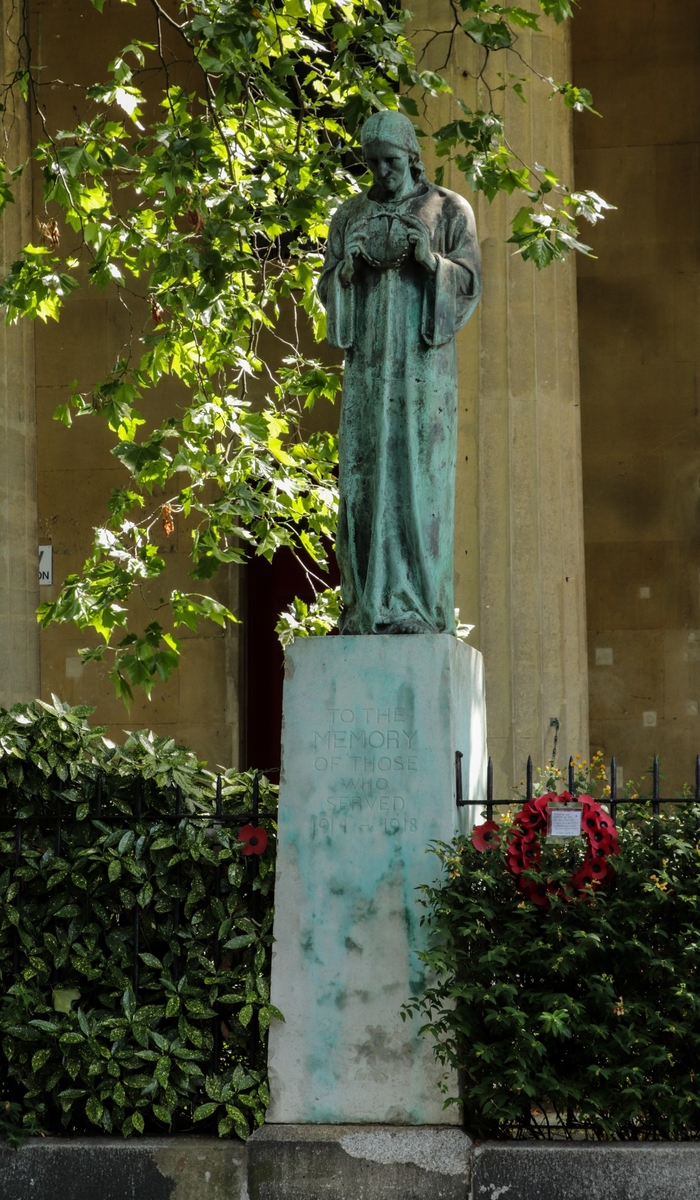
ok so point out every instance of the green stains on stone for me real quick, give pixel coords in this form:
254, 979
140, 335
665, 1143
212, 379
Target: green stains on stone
371, 725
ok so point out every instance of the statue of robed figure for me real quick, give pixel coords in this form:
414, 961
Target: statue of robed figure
401, 276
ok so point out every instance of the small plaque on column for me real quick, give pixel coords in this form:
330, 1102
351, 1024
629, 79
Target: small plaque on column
45, 566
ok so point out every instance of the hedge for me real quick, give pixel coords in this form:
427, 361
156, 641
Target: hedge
580, 1017
82, 1051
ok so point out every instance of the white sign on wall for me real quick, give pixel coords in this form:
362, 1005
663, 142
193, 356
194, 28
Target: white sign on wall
45, 566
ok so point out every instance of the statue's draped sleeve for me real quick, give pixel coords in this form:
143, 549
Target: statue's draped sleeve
338, 301
451, 296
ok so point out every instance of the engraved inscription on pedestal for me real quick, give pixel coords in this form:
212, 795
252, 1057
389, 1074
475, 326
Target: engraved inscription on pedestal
363, 758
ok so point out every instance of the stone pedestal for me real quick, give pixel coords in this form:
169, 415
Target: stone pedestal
371, 727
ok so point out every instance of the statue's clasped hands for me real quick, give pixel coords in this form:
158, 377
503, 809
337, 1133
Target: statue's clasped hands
418, 236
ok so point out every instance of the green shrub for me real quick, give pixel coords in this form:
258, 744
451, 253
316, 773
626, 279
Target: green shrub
582, 1014
82, 1050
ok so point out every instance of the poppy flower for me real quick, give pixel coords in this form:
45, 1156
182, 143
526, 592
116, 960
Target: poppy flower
600, 839
597, 820
484, 836
603, 842
254, 838
516, 864
530, 816
536, 892
592, 871
524, 857
582, 877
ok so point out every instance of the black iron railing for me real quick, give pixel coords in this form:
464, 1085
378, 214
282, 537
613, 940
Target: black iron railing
656, 799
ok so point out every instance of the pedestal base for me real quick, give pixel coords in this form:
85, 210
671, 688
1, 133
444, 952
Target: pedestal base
342, 1162
370, 730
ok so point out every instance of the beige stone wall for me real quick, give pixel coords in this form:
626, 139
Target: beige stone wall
518, 554
640, 357
533, 592
199, 704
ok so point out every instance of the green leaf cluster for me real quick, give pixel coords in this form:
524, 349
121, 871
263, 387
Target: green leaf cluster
199, 182
310, 620
82, 1050
584, 1016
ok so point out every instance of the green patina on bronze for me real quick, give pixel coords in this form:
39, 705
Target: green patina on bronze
401, 276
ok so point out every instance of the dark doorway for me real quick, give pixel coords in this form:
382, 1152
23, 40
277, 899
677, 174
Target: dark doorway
271, 587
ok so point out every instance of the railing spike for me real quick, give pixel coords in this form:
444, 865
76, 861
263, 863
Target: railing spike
655, 798
459, 794
256, 797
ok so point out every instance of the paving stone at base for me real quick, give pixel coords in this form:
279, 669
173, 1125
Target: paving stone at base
612, 1171
345, 1162
351, 1162
181, 1168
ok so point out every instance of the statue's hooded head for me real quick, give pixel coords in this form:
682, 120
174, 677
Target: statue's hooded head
395, 129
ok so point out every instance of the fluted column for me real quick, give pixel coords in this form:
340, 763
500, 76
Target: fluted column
19, 557
519, 563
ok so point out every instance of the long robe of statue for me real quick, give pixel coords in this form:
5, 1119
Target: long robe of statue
396, 320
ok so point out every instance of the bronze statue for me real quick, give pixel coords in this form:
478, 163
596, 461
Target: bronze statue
401, 276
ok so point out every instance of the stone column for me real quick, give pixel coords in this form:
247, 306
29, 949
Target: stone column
519, 566
533, 627
19, 556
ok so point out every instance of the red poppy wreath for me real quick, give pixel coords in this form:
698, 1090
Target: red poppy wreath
524, 848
